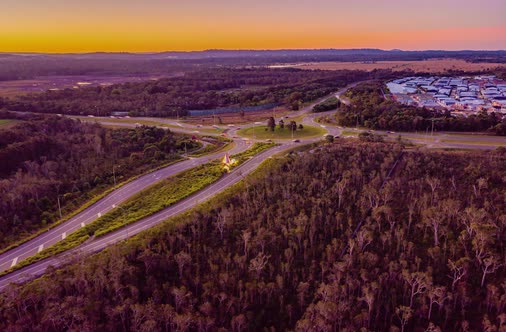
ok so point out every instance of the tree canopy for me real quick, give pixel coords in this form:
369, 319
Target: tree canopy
347, 236
59, 158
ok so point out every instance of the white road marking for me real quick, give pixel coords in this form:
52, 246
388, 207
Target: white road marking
183, 207
41, 247
14, 261
64, 235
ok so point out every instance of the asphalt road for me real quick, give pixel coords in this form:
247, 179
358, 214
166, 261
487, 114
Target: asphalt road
98, 244
11, 258
109, 202
114, 199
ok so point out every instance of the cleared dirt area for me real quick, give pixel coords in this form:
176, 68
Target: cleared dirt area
22, 87
432, 66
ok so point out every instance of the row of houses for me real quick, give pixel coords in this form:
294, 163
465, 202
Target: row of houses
454, 93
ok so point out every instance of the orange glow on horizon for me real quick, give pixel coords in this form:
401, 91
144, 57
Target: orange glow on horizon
154, 25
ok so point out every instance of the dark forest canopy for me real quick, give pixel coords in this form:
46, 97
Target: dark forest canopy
32, 65
41, 160
369, 108
200, 89
324, 241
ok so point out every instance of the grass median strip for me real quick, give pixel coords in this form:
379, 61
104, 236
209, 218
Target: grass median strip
225, 145
151, 200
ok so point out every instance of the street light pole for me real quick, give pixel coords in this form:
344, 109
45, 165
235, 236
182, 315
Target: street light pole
114, 175
59, 206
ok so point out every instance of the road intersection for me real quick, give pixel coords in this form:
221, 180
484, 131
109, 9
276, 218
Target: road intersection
13, 257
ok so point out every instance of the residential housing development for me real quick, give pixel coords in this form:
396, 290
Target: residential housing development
461, 95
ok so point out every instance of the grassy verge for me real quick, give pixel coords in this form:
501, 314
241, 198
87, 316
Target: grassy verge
111, 121
473, 142
259, 132
129, 121
469, 134
7, 123
349, 133
151, 200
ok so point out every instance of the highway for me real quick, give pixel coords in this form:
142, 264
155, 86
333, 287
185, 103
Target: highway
114, 199
98, 244
13, 257
106, 204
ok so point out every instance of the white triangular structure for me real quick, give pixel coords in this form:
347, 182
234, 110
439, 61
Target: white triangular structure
226, 159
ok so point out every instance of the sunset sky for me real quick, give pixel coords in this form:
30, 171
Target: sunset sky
166, 25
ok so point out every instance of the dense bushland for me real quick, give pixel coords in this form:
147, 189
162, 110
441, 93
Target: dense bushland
196, 90
322, 241
62, 159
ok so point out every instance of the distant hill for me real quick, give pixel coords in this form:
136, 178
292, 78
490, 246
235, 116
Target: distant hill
283, 53
15, 66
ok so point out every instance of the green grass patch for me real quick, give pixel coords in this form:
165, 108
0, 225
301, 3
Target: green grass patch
7, 123
349, 133
421, 139
260, 132
145, 203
